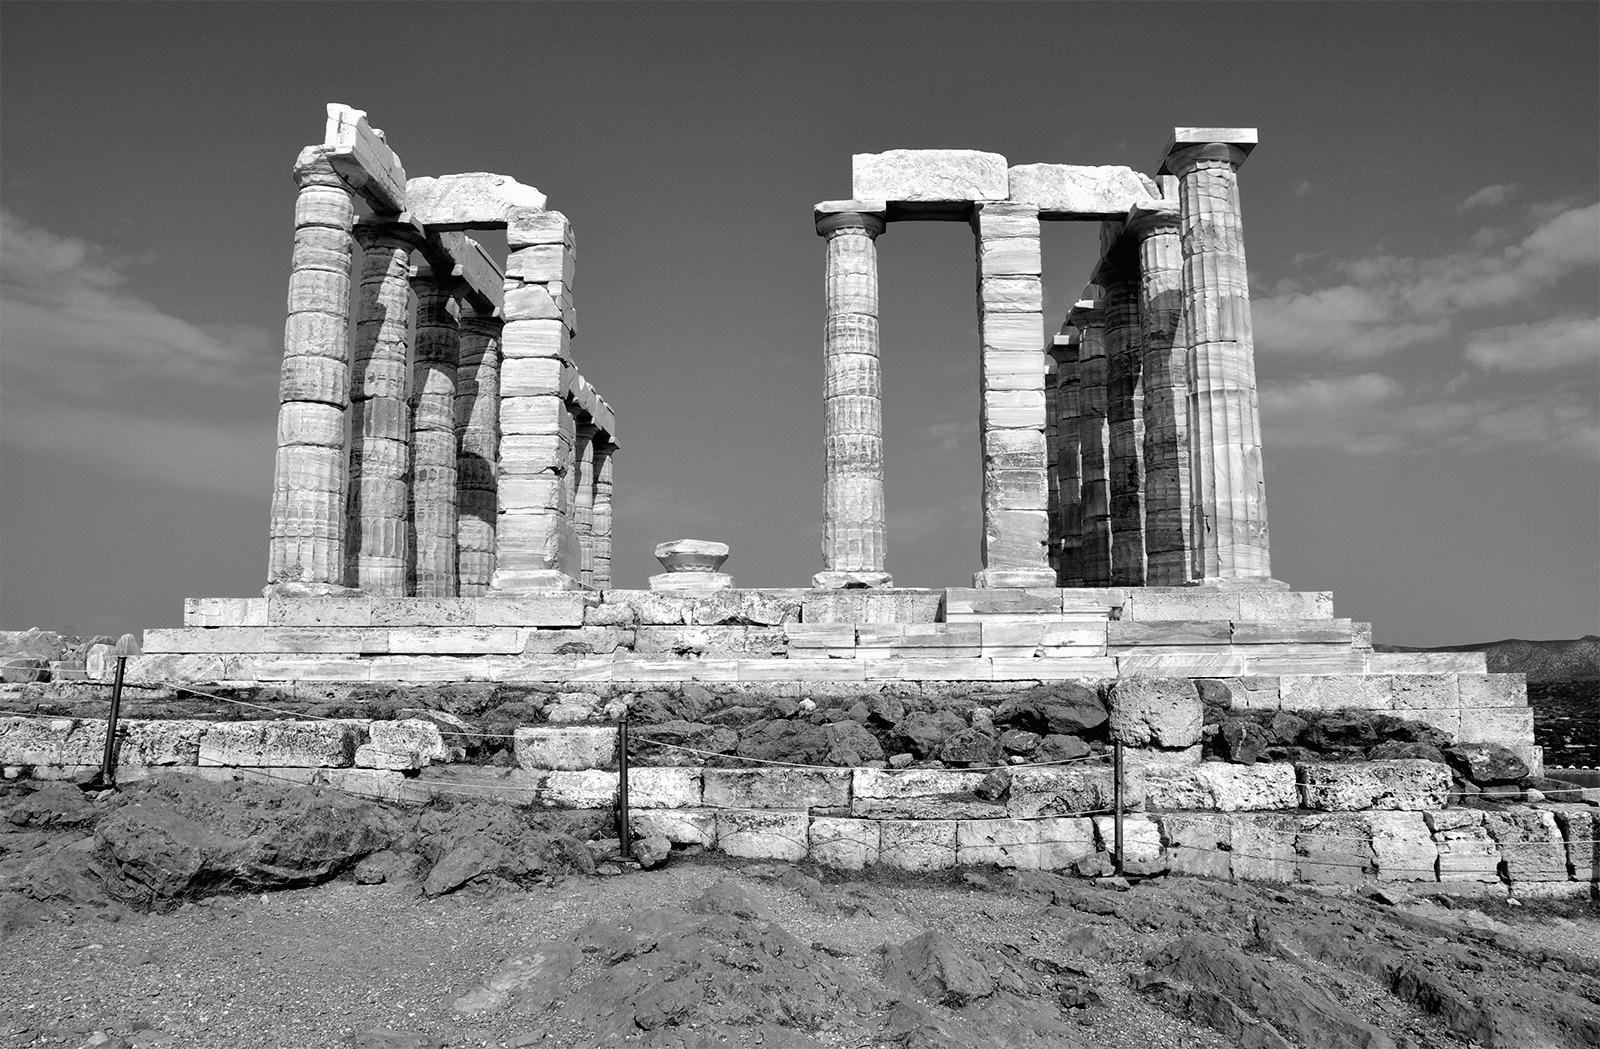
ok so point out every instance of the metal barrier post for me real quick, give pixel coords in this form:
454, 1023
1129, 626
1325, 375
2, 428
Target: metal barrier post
1116, 804
623, 833
127, 646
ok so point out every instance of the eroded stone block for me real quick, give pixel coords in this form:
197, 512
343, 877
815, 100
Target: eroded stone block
679, 826
1333, 850
1081, 191
1531, 844
844, 844
1160, 711
1410, 784
917, 845
777, 788
579, 789
664, 787
919, 794
1068, 791
1198, 845
411, 743
1218, 786
1402, 846
568, 748
763, 833
928, 175
280, 744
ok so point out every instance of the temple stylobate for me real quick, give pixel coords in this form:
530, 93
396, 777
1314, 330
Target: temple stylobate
434, 436
1124, 451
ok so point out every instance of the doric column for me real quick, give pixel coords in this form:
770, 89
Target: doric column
1052, 451
1118, 276
306, 546
1094, 437
1068, 466
535, 545
432, 551
376, 540
583, 499
605, 454
1227, 482
477, 449
1016, 526
1166, 391
854, 534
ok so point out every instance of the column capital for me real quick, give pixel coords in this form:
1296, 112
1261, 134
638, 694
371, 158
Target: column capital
389, 231
1148, 220
1063, 348
831, 216
1086, 313
1192, 145
313, 168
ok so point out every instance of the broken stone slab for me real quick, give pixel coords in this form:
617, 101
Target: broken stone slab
1164, 711
1411, 784
1070, 791
54, 741
663, 787
747, 608
1466, 851
224, 611
765, 834
777, 788
1222, 787
679, 826
928, 175
1402, 847
281, 744
1080, 191
507, 786
470, 200
410, 743
569, 748
1035, 844
844, 844
881, 605
919, 794
1531, 844
577, 641
579, 789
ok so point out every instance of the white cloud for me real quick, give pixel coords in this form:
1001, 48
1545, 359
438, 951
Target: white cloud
1488, 197
1389, 303
1555, 342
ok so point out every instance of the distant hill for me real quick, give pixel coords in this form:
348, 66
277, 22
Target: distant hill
1576, 660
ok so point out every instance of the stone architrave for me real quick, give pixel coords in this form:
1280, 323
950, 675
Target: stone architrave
1228, 486
583, 499
477, 450
1089, 319
1118, 277
376, 541
307, 531
1154, 227
854, 533
1068, 465
432, 548
604, 457
1016, 527
1069, 427
536, 547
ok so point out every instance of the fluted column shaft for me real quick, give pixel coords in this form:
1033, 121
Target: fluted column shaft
1228, 484
432, 551
1166, 392
1119, 277
377, 528
306, 534
854, 531
604, 458
1094, 438
583, 500
1069, 466
477, 412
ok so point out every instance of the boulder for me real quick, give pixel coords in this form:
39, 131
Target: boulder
938, 969
1242, 740
709, 740
1056, 747
1066, 708
52, 805
1486, 764
652, 851
1019, 741
782, 739
850, 745
1159, 711
970, 747
923, 733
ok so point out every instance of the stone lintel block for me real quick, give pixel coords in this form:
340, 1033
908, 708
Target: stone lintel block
1408, 784
1222, 787
820, 635
1044, 634
579, 789
777, 788
1492, 690
801, 670
224, 611
917, 845
1193, 603
844, 844
676, 670
904, 668
679, 826
281, 744
1141, 632
1262, 604
563, 608
423, 611
319, 611
1293, 631
471, 200
764, 834
403, 668
928, 175
885, 605
919, 794
290, 640
567, 748
1079, 191
664, 787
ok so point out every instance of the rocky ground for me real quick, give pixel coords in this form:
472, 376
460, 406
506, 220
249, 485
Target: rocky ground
197, 914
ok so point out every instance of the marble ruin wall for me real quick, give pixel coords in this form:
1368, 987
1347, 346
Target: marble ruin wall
443, 444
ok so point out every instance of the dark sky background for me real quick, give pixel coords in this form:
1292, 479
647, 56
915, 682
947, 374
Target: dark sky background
1422, 220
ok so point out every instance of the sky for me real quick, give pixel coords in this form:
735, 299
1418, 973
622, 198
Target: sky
1422, 222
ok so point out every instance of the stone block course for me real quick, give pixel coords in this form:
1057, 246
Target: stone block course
917, 845
844, 844
1069, 790
281, 744
679, 826
1411, 784
1223, 787
777, 788
1402, 847
579, 789
919, 794
763, 833
664, 788
568, 748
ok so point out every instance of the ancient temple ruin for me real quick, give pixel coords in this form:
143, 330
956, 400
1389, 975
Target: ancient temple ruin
441, 515
442, 449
